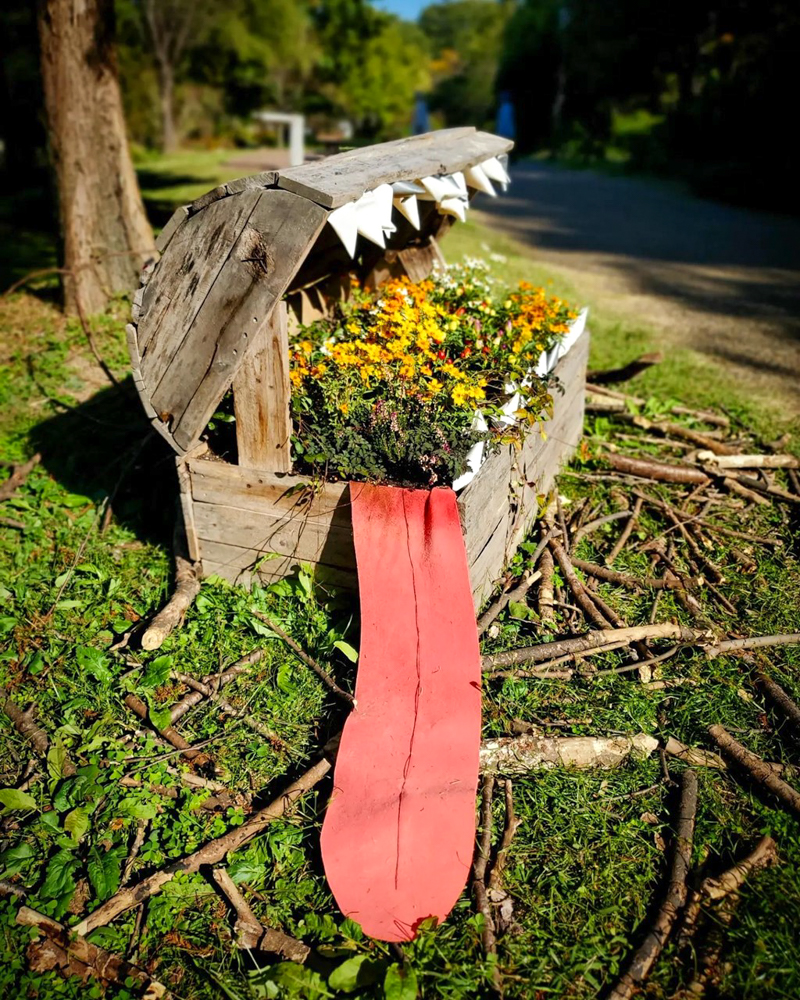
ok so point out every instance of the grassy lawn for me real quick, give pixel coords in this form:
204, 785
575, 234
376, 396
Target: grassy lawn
588, 859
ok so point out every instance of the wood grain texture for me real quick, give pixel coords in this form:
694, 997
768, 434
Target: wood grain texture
270, 249
261, 399
184, 276
338, 179
244, 565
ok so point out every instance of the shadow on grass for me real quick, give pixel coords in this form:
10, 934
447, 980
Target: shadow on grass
105, 447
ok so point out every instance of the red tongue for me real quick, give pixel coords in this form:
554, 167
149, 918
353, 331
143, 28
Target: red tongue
399, 831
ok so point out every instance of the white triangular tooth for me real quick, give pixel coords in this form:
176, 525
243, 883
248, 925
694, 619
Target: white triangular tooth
344, 221
409, 209
460, 183
495, 170
437, 188
476, 178
454, 206
370, 216
407, 187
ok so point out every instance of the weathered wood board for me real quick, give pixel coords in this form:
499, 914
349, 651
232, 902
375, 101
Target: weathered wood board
338, 179
239, 516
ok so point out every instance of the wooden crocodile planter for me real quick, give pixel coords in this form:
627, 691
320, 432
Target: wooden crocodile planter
236, 268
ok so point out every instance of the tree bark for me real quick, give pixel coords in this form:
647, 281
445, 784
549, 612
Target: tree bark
166, 89
105, 233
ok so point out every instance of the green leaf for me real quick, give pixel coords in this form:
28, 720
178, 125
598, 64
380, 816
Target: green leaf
518, 610
94, 663
139, 810
156, 673
76, 823
56, 759
104, 870
284, 680
400, 983
355, 972
297, 980
347, 649
59, 883
12, 860
13, 800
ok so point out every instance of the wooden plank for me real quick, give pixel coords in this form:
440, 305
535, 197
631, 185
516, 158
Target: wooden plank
249, 489
184, 277
261, 397
302, 538
336, 180
236, 564
187, 509
208, 199
267, 178
272, 245
175, 221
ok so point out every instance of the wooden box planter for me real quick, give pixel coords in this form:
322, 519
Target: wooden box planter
240, 264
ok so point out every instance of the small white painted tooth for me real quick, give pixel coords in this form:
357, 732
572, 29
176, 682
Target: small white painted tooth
345, 224
495, 170
454, 206
461, 185
409, 209
407, 187
370, 218
476, 178
438, 188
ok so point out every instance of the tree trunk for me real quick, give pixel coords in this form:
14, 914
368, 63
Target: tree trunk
105, 232
166, 88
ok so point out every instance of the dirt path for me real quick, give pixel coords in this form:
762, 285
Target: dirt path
720, 280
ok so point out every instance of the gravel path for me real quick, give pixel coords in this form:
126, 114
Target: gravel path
720, 280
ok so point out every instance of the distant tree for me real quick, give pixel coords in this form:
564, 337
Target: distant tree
466, 37
105, 232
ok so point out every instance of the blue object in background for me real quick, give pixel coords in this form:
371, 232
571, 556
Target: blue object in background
421, 121
506, 124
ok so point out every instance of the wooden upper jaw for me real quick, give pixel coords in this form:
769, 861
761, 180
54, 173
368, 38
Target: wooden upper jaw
228, 258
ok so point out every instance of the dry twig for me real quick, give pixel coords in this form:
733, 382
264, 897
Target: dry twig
648, 952
479, 887
19, 474
758, 769
309, 661
187, 587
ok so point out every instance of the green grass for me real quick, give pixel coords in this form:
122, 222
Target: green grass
585, 866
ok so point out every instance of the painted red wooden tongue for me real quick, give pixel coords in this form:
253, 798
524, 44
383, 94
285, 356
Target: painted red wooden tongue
399, 831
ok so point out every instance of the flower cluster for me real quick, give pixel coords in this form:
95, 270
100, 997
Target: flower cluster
390, 387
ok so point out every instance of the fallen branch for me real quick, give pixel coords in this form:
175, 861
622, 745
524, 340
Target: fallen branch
517, 593
759, 769
706, 416
513, 755
232, 710
512, 823
546, 595
210, 854
661, 471
693, 756
779, 697
575, 585
624, 579
251, 935
187, 587
19, 473
598, 522
479, 887
24, 724
301, 654
599, 641
168, 733
753, 642
648, 952
625, 534
713, 889
74, 956
736, 487
215, 682
733, 460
